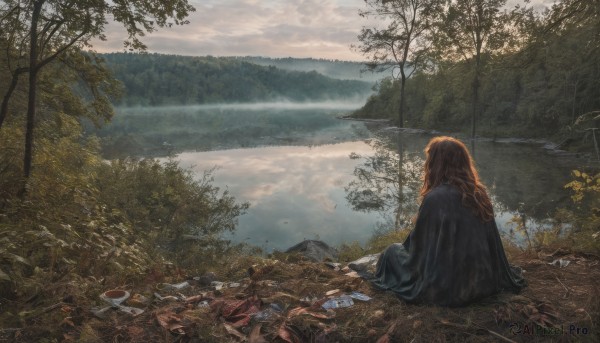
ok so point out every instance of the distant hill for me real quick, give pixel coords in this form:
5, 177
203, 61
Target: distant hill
343, 70
155, 79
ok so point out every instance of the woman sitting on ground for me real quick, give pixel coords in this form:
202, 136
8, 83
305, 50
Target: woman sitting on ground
454, 255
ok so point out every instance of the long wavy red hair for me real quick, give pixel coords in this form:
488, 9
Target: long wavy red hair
449, 161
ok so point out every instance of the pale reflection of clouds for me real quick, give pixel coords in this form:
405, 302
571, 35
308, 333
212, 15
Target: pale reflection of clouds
261, 172
252, 194
296, 192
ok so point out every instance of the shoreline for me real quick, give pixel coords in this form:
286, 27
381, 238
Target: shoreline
550, 147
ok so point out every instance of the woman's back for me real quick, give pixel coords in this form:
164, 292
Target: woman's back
452, 257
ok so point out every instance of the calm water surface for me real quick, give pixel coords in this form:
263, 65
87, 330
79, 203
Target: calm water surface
308, 175
295, 192
300, 192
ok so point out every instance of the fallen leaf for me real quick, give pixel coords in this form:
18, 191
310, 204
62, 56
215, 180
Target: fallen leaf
303, 310
392, 328
236, 311
135, 331
255, 336
67, 321
170, 321
68, 338
194, 298
332, 292
384, 339
285, 334
232, 331
239, 320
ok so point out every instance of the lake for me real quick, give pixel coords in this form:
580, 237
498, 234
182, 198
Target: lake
309, 175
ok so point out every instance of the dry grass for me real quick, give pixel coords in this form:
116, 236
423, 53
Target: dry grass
556, 303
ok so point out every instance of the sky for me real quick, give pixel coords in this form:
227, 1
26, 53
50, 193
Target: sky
271, 28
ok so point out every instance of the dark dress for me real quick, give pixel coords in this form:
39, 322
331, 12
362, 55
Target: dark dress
451, 258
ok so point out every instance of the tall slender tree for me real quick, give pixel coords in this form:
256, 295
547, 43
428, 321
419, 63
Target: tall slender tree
401, 45
468, 30
39, 32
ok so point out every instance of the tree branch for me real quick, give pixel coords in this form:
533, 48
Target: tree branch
59, 51
8, 94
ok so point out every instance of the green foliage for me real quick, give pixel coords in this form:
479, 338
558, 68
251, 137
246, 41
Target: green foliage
577, 227
469, 28
153, 79
538, 85
76, 23
384, 103
70, 227
400, 45
584, 185
86, 219
39, 33
59, 228
349, 252
343, 70
585, 233
170, 209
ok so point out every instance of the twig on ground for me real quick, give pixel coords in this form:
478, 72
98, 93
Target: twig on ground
44, 310
494, 333
566, 288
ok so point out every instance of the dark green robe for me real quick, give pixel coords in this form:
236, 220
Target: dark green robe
451, 258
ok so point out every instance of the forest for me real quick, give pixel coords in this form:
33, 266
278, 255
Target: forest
531, 73
153, 80
337, 69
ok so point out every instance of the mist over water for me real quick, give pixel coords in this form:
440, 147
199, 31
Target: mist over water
337, 105
162, 131
292, 162
300, 192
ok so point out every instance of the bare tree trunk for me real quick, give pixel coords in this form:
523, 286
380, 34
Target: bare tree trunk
37, 7
478, 45
401, 109
475, 108
398, 221
475, 85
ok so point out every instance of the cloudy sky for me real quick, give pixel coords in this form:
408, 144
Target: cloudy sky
273, 28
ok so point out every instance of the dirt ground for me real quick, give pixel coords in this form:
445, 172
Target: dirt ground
281, 300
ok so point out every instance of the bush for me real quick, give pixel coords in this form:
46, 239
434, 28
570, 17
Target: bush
113, 222
177, 215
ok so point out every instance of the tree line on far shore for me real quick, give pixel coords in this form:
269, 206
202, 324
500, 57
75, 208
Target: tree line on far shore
156, 79
472, 64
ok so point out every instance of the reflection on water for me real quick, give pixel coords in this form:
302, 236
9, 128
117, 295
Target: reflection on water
161, 131
388, 181
525, 184
295, 193
339, 192
310, 175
